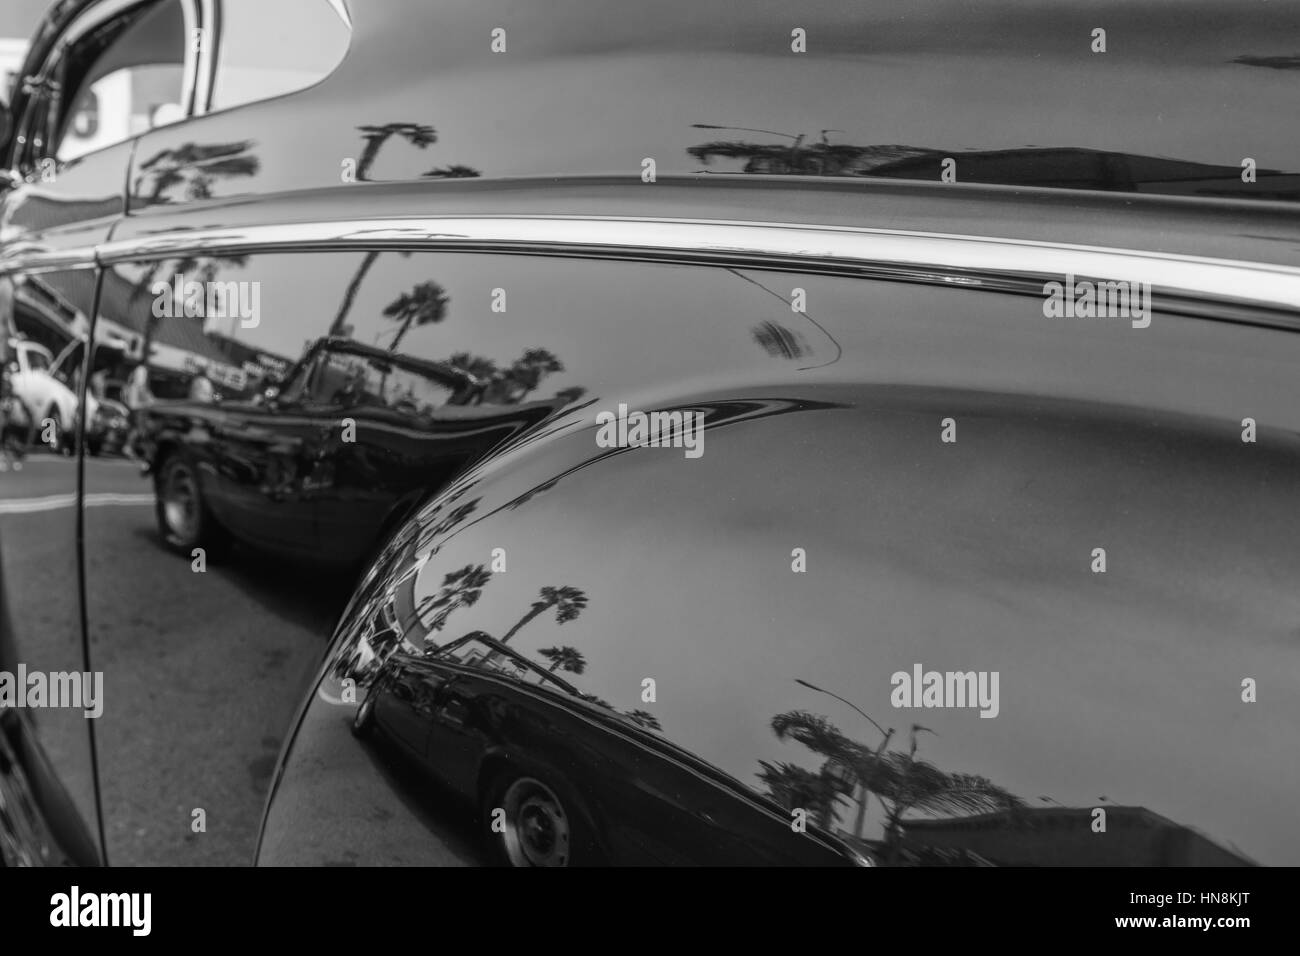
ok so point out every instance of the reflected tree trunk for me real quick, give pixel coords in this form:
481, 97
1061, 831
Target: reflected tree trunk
350, 295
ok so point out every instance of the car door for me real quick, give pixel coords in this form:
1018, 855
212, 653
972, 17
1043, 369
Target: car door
403, 435
266, 458
91, 81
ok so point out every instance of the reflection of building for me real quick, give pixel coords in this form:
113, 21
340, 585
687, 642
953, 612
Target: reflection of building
1063, 836
12, 52
120, 105
54, 308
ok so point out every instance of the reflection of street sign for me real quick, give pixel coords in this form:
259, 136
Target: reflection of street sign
223, 375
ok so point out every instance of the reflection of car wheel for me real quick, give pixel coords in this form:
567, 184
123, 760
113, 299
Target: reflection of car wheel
541, 822
184, 520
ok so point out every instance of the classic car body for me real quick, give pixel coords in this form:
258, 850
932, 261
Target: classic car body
47, 387
988, 553
327, 461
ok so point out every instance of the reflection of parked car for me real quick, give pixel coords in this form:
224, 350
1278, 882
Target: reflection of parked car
48, 387
15, 419
579, 783
324, 463
107, 434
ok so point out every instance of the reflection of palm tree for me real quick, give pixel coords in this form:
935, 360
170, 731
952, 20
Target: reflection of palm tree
797, 788
454, 171
350, 293
564, 658
374, 137
197, 166
459, 589
568, 603
425, 304
430, 532
527, 372
843, 756
901, 781
645, 719
571, 394
475, 366
813, 731
510, 385
913, 784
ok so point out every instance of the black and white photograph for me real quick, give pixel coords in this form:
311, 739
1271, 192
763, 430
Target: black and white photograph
676, 434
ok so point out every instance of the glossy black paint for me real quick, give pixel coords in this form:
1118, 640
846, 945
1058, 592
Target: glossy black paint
974, 555
47, 784
1012, 90
644, 800
822, 434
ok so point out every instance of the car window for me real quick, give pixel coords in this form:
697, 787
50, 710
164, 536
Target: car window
37, 360
473, 652
126, 77
275, 47
355, 380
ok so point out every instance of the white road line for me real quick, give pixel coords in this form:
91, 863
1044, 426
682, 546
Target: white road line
98, 498
24, 506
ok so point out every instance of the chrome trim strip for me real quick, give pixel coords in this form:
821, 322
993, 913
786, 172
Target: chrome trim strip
1007, 265
190, 12
87, 20
206, 67
32, 258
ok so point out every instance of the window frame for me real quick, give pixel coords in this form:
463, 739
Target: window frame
46, 115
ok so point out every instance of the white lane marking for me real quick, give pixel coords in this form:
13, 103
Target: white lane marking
98, 498
328, 697
25, 506
21, 506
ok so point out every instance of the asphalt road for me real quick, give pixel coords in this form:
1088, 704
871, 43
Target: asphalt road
202, 672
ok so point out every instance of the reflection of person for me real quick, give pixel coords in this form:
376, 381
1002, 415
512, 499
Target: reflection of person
17, 424
201, 389
136, 395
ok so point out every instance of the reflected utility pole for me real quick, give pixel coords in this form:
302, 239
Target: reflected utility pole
887, 735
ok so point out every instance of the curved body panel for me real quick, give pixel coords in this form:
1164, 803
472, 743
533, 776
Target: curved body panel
858, 524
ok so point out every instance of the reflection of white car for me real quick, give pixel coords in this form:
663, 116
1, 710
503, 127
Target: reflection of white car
48, 388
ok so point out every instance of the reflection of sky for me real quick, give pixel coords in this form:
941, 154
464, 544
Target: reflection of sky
966, 557
629, 330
